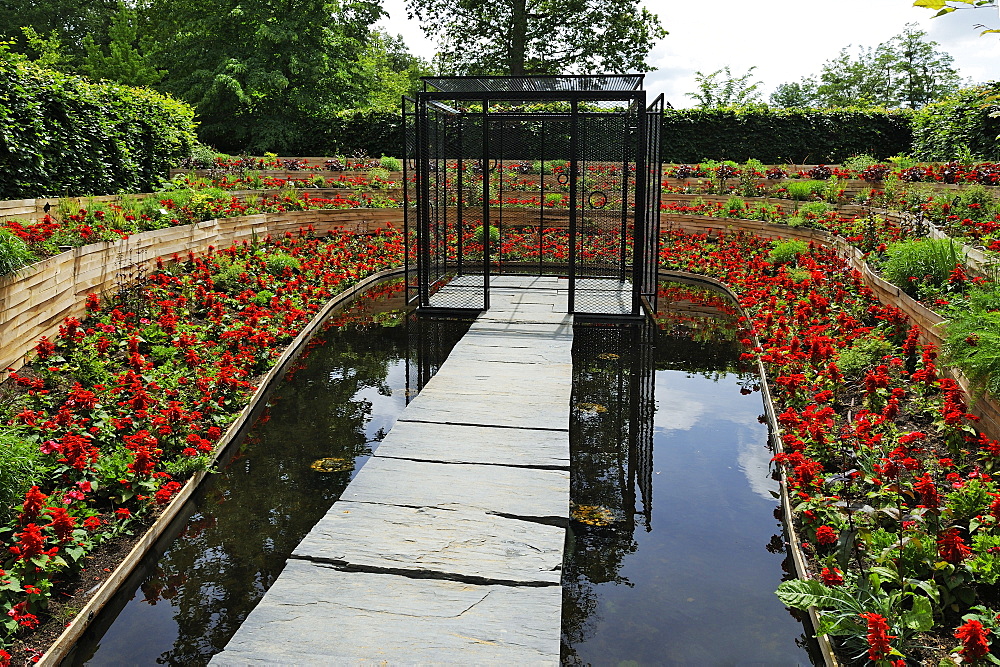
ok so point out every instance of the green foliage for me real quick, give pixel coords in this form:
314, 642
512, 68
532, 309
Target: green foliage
859, 162
968, 120
921, 262
905, 71
127, 58
786, 252
722, 89
62, 134
972, 338
14, 252
775, 136
277, 263
21, 466
391, 163
541, 37
733, 208
494, 235
804, 190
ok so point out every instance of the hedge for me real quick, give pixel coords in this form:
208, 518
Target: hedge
969, 121
776, 136
64, 135
689, 135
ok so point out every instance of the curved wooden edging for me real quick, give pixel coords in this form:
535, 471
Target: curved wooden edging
65, 642
798, 558
35, 301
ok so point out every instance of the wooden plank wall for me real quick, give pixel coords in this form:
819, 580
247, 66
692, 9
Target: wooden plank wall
35, 301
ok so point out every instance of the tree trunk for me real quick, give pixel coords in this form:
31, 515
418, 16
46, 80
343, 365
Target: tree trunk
518, 37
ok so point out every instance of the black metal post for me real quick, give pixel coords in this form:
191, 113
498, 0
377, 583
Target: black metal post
574, 128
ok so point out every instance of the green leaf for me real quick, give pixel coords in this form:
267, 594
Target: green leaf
929, 4
802, 593
921, 617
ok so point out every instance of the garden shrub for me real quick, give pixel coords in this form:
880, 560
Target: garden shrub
776, 136
64, 135
279, 261
966, 122
14, 252
391, 163
787, 252
863, 355
802, 190
972, 338
21, 466
914, 263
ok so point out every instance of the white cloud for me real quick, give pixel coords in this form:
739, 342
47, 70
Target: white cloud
785, 39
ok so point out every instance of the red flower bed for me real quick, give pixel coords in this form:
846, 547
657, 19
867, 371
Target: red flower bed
123, 405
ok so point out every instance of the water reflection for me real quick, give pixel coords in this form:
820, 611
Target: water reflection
695, 585
337, 404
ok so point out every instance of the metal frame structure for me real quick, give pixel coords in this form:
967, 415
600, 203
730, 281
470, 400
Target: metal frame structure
464, 135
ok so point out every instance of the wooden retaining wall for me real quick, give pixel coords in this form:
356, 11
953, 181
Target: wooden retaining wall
36, 300
985, 407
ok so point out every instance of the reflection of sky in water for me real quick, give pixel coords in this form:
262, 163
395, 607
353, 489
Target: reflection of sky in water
680, 408
702, 580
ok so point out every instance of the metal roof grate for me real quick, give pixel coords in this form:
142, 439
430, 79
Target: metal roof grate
534, 84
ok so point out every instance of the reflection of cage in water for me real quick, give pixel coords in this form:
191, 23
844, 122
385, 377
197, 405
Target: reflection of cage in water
611, 423
554, 175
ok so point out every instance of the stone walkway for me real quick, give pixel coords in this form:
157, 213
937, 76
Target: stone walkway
447, 547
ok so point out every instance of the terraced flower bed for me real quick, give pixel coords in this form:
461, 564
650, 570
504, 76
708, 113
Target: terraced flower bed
891, 483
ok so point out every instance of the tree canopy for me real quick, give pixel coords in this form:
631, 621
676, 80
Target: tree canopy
905, 71
263, 75
722, 88
520, 37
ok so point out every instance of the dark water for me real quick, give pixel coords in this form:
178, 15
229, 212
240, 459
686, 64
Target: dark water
667, 454
336, 403
674, 553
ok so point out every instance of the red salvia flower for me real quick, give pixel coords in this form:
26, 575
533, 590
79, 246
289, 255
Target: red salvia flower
62, 523
34, 501
951, 547
929, 496
878, 636
974, 640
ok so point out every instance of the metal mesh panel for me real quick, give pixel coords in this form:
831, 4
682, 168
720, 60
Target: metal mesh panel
510, 182
650, 238
611, 420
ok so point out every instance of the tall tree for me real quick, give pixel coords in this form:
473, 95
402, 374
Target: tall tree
127, 58
520, 37
905, 71
722, 89
69, 21
260, 72
800, 94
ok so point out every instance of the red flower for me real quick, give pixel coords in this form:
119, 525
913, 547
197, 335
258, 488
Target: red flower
123, 513
32, 542
975, 645
831, 577
929, 496
34, 501
62, 523
19, 613
92, 523
826, 535
951, 547
878, 636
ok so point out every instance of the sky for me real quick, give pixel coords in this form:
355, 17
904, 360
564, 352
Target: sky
785, 39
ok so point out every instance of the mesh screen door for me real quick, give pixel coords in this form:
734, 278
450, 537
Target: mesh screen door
551, 176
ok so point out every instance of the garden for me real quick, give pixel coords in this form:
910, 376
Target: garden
888, 456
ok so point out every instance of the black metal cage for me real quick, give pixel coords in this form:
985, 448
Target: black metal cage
548, 175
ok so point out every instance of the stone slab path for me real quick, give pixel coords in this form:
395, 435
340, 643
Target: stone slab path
447, 546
